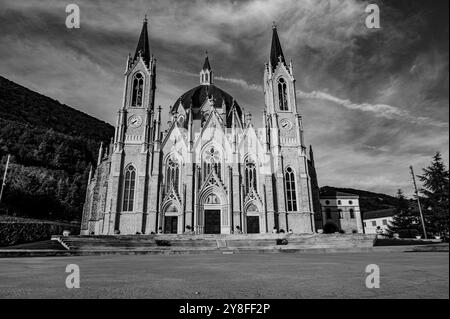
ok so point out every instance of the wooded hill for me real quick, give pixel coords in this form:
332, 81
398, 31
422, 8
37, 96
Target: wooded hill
52, 146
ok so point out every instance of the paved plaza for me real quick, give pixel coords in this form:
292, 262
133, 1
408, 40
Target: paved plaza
403, 275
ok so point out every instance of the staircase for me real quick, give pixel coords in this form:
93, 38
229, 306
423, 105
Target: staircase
191, 244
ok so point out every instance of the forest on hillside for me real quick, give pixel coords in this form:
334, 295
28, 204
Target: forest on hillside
52, 147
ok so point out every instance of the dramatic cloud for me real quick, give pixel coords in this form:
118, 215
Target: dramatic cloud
380, 110
373, 101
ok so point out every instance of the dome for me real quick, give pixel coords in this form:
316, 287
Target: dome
196, 97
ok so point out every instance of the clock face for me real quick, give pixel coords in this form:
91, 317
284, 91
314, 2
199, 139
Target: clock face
135, 121
286, 124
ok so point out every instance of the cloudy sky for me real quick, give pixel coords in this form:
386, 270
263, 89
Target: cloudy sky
373, 101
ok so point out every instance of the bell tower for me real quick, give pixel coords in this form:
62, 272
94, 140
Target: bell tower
292, 190
134, 138
136, 113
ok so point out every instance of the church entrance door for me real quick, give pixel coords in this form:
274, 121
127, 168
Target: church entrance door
252, 225
212, 221
171, 224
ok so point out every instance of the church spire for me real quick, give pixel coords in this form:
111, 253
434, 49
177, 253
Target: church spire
206, 74
206, 65
276, 53
143, 47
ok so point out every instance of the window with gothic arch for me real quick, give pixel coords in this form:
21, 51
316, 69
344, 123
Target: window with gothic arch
211, 161
291, 196
282, 95
128, 189
172, 174
250, 175
138, 89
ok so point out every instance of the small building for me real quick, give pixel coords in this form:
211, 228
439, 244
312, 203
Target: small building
341, 211
378, 218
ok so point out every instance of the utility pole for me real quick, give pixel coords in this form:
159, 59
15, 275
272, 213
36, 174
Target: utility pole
4, 177
418, 202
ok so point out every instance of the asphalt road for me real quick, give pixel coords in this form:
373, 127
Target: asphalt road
403, 275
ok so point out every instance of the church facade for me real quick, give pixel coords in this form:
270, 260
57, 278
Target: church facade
209, 170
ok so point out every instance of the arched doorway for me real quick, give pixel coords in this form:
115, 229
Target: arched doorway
171, 220
253, 219
212, 214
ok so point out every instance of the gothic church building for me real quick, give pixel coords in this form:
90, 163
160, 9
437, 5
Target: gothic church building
209, 170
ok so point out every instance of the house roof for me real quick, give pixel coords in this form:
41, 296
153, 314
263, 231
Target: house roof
388, 212
337, 194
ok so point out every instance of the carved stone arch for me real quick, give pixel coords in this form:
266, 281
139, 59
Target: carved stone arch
169, 204
213, 190
176, 155
254, 217
172, 217
254, 203
222, 222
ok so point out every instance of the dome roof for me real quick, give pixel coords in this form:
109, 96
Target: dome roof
196, 97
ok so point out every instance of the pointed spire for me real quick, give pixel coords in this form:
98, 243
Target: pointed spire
143, 47
206, 65
276, 53
206, 74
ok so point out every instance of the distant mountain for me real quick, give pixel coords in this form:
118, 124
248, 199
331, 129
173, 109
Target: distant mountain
52, 146
368, 201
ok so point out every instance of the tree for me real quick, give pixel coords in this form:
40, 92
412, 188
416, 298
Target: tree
435, 180
405, 219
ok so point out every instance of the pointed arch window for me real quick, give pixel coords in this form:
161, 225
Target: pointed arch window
291, 196
211, 161
282, 95
250, 175
138, 89
129, 187
173, 174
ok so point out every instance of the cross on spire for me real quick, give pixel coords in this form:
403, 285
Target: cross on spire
276, 52
143, 47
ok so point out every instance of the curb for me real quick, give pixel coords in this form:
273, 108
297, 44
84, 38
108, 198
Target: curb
68, 253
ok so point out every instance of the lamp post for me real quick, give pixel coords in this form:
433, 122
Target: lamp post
418, 202
4, 177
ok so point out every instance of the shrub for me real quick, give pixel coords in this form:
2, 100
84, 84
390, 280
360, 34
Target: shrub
12, 233
282, 242
330, 228
163, 243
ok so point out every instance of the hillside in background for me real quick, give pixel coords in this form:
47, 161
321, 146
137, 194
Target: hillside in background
52, 146
368, 201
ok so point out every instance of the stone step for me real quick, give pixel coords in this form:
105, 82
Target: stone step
215, 242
